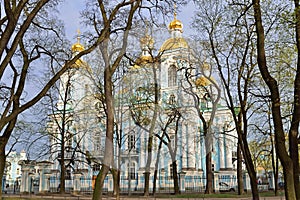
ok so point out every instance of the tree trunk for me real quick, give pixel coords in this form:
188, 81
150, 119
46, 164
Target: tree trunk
286, 161
3, 142
294, 131
250, 169
175, 176
147, 179
62, 187
240, 171
152, 128
109, 143
209, 174
155, 179
2, 163
274, 166
156, 165
116, 175
97, 194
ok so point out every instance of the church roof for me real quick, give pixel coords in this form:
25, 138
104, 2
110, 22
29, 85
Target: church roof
174, 43
142, 60
203, 81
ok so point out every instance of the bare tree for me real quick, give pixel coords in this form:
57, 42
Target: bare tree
110, 67
289, 161
28, 35
234, 60
170, 139
145, 109
199, 84
69, 120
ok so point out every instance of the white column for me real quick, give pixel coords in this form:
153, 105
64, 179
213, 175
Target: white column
47, 182
199, 151
216, 182
221, 151
110, 183
30, 182
24, 179
182, 181
191, 147
184, 146
143, 151
247, 185
162, 178
77, 184
229, 149
44, 176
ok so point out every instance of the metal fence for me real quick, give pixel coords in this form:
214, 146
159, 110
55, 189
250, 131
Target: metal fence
127, 185
131, 186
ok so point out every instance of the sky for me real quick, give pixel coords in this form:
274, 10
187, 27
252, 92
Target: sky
70, 14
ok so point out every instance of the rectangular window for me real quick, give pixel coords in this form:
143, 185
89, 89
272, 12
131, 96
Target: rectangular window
96, 167
131, 142
171, 171
131, 171
68, 174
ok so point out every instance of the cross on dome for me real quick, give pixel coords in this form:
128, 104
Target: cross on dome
176, 24
77, 47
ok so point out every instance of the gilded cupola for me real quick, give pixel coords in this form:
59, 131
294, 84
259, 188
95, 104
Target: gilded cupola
176, 41
176, 24
77, 47
147, 45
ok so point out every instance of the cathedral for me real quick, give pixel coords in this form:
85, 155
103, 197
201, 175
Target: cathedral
161, 97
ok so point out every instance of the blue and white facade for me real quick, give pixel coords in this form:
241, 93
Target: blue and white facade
13, 170
85, 128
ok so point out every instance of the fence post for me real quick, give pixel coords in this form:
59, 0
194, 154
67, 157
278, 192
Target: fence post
182, 181
77, 184
162, 178
247, 186
4, 181
47, 182
110, 186
216, 182
26, 177
44, 175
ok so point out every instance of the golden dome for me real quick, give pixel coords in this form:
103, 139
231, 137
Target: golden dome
174, 43
142, 60
176, 24
135, 67
203, 81
77, 47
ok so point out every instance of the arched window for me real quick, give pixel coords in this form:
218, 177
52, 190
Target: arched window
172, 100
172, 76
